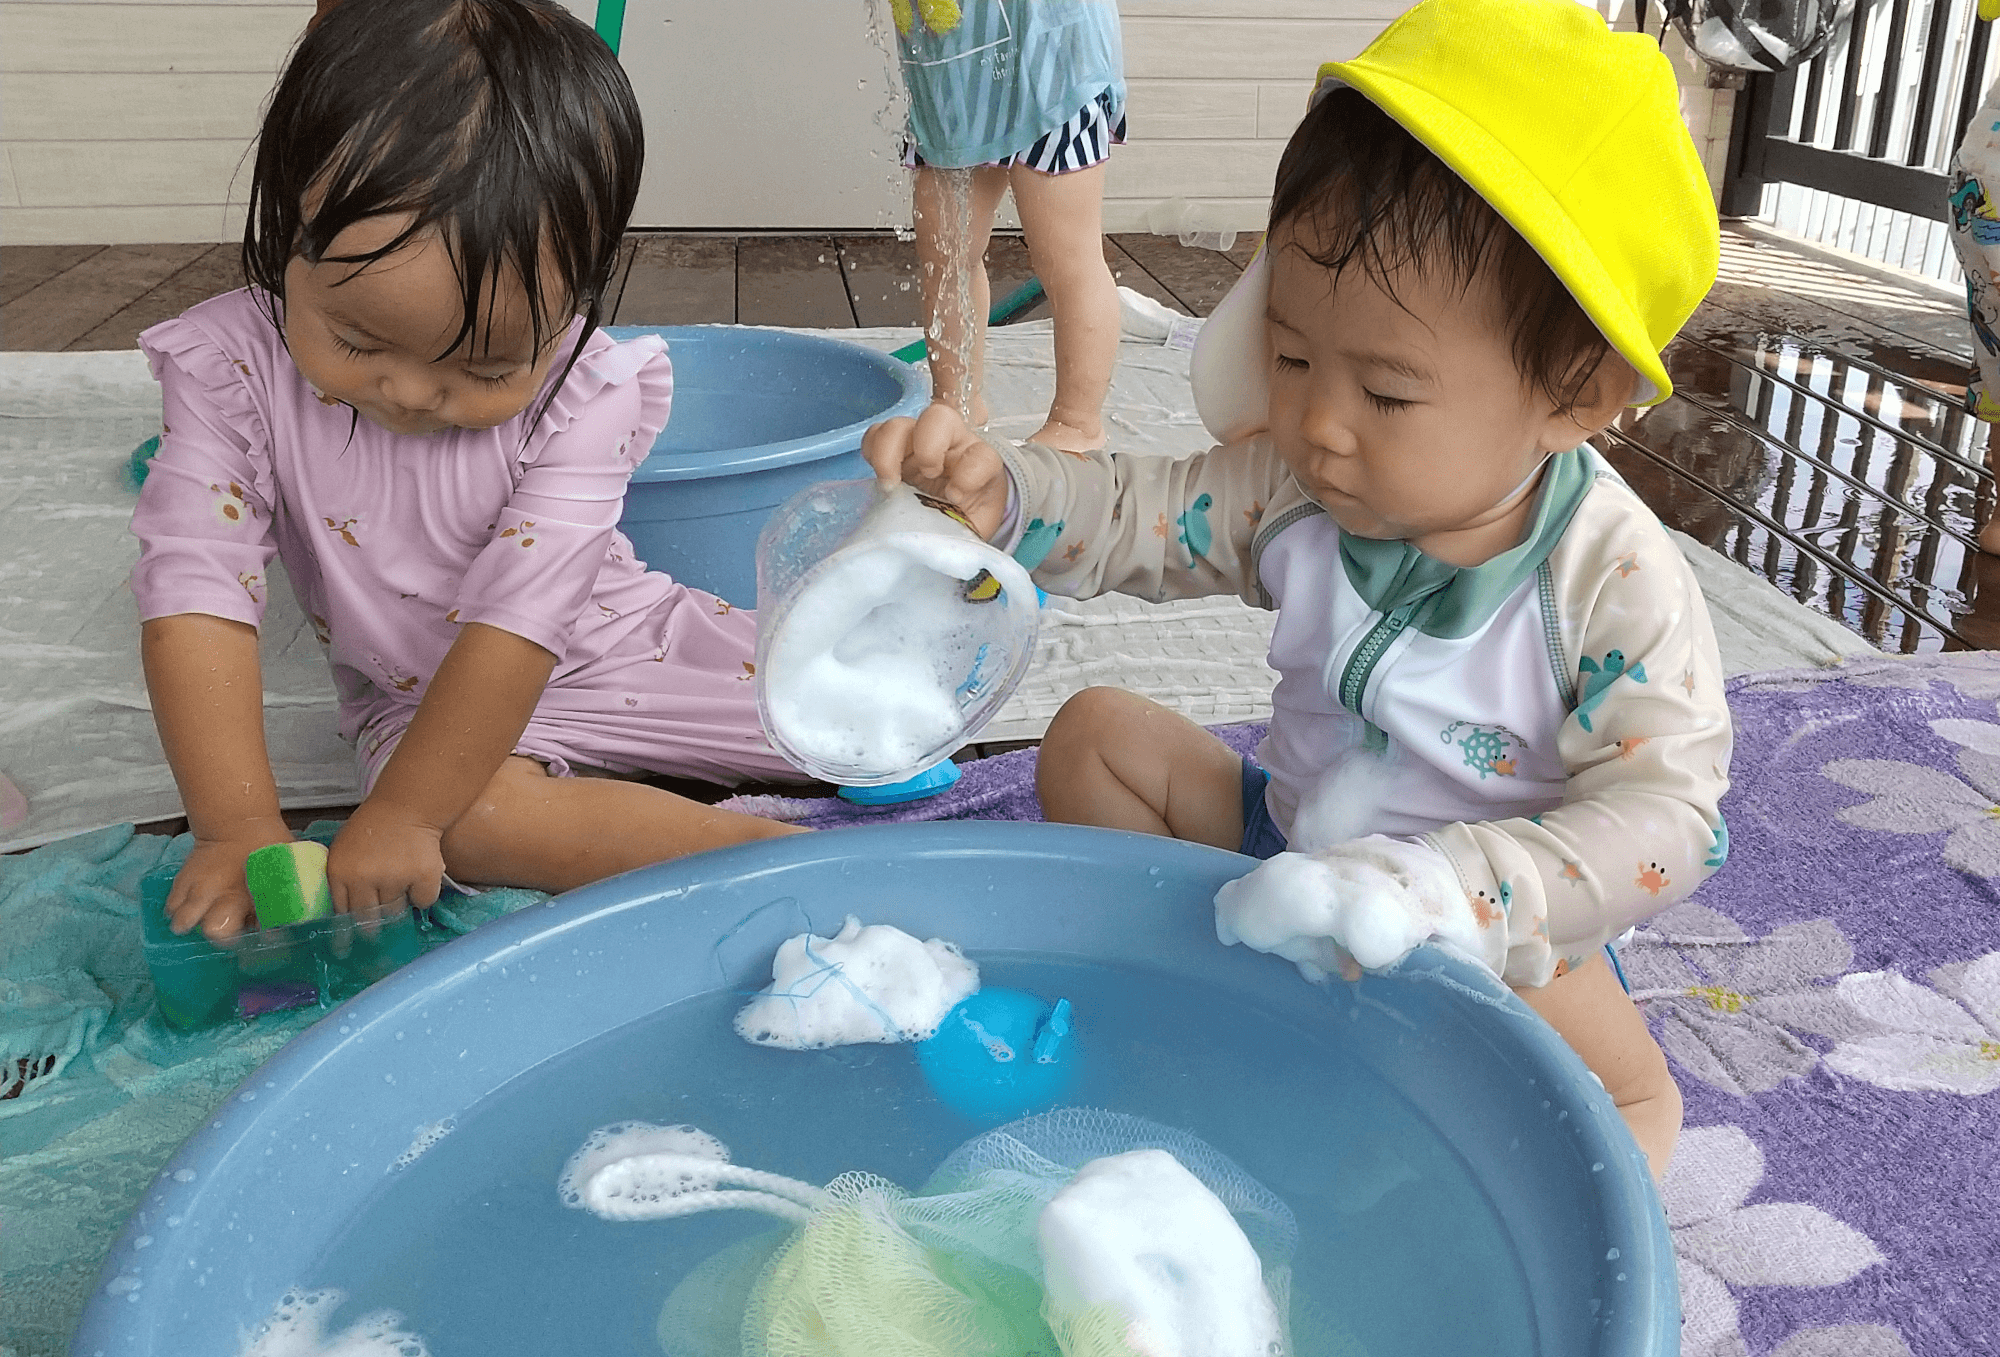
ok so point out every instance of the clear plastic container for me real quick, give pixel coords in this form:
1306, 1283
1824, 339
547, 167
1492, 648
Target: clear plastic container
888, 632
319, 962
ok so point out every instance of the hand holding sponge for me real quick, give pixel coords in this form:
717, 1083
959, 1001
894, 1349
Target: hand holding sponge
287, 883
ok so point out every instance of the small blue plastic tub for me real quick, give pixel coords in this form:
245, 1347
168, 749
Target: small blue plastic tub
758, 415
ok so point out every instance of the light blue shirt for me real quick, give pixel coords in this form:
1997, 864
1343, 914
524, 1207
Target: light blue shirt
1009, 72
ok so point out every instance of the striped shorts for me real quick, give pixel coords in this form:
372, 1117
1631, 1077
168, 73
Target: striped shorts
1082, 141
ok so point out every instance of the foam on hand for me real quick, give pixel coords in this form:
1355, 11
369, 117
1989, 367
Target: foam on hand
1137, 1243
1375, 897
297, 1328
866, 673
873, 984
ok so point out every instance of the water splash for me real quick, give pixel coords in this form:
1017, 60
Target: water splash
953, 326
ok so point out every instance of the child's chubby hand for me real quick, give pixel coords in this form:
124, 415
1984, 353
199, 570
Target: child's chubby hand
384, 860
210, 890
939, 455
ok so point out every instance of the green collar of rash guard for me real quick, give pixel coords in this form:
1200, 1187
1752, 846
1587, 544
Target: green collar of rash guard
1455, 601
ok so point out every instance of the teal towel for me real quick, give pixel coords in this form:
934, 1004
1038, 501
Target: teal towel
115, 1090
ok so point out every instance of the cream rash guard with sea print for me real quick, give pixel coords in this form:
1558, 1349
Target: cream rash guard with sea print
1554, 719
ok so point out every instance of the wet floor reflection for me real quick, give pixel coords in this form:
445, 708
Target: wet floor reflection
1849, 476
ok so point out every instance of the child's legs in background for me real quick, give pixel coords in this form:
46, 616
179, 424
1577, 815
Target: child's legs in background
1062, 216
1592, 1012
1114, 759
957, 363
557, 833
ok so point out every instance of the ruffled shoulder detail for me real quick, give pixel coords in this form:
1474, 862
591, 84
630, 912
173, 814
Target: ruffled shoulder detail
224, 354
604, 364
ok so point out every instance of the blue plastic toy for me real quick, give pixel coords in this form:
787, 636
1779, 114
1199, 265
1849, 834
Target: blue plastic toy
939, 777
1000, 1055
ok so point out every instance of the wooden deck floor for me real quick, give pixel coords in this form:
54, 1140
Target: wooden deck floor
1815, 434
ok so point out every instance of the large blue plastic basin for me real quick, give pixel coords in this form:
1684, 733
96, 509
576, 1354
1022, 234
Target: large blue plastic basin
757, 416
1432, 1136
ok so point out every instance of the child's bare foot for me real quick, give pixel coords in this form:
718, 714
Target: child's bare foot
1068, 438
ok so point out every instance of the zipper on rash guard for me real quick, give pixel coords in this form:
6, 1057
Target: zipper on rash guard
1361, 664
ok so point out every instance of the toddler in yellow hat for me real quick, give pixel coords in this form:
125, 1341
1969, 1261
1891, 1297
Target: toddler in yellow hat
1499, 723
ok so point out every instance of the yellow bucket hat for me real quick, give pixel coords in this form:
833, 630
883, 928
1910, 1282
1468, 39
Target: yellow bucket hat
1571, 132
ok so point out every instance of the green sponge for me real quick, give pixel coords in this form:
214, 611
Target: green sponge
288, 883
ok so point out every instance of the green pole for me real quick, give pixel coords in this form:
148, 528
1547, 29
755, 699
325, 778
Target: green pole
611, 21
1008, 307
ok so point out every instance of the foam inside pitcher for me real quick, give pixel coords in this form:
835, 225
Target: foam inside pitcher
888, 631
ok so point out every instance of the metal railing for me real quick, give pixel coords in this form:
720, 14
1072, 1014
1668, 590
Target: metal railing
1868, 124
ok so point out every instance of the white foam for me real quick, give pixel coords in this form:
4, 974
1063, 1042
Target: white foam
1377, 897
1140, 1235
425, 1137
1348, 799
297, 1328
873, 984
623, 1140
865, 673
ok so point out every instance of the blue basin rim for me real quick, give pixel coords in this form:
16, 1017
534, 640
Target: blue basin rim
683, 928
813, 447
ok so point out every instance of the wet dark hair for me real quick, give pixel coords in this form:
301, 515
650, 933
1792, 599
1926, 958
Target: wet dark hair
1376, 197
506, 125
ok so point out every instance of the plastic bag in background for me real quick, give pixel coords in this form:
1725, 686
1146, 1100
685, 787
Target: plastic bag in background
1758, 35
1192, 223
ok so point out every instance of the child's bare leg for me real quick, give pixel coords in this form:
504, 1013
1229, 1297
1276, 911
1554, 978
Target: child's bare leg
558, 833
1592, 1012
1063, 218
955, 323
1114, 759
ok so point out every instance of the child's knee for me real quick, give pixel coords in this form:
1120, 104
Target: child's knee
1091, 719
1088, 724
1643, 1076
1069, 272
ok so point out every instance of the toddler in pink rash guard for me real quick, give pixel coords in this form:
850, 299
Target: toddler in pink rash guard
413, 408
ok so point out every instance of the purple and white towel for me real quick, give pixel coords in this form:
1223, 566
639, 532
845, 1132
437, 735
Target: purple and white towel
1830, 1002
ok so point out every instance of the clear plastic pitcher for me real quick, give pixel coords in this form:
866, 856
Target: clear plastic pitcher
888, 632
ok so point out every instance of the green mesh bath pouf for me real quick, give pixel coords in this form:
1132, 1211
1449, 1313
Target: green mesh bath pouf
1085, 1232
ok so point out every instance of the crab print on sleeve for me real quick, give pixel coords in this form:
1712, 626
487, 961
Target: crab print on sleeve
1645, 749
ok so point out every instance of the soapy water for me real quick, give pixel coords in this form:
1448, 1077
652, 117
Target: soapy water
472, 1247
862, 985
634, 1170
297, 1328
876, 655
426, 1136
